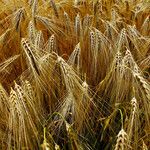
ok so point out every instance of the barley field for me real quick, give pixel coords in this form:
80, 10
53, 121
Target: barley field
74, 74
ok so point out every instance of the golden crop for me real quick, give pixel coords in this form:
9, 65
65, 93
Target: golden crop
75, 74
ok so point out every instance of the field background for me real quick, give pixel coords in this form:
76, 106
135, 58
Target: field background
75, 74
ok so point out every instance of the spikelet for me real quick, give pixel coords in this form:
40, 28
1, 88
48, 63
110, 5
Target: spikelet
30, 2
122, 40
86, 92
85, 87
121, 140
133, 117
57, 147
114, 15
136, 69
34, 8
128, 59
67, 125
39, 40
51, 46
133, 33
146, 26
94, 44
68, 106
18, 17
135, 37
45, 145
3, 99
134, 106
28, 89
29, 53
45, 61
32, 32
118, 59
145, 85
67, 73
75, 57
144, 146
97, 8
3, 94
92, 40
137, 74
20, 95
77, 25
86, 21
67, 22
15, 106
101, 37
76, 2
54, 8
102, 43
109, 30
